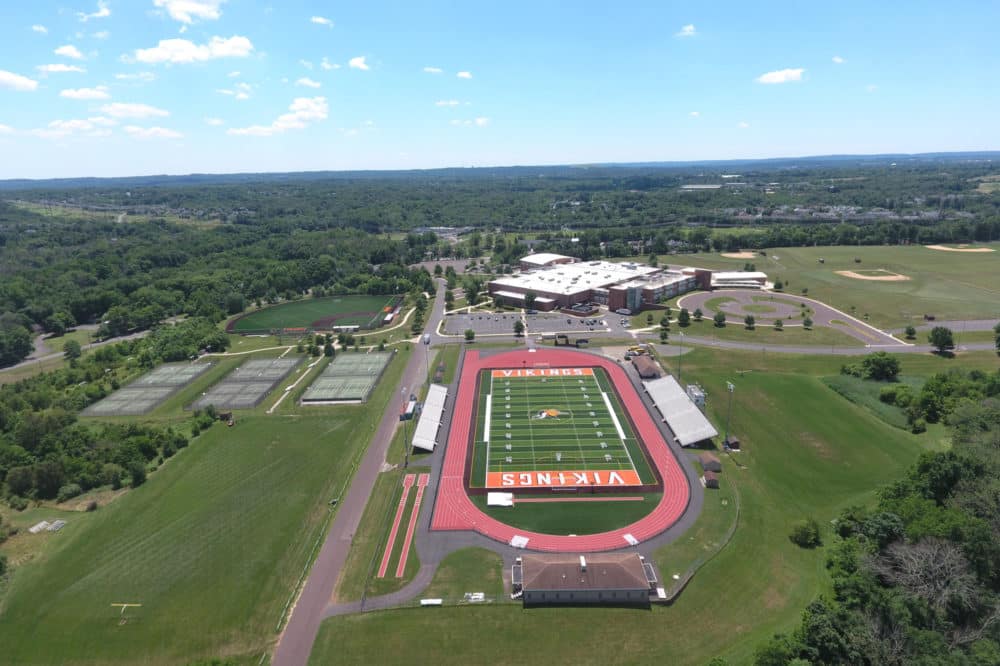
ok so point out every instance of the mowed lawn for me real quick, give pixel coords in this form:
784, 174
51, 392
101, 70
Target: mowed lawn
301, 314
807, 452
949, 285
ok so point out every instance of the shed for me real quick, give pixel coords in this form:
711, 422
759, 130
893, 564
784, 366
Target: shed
646, 367
709, 462
711, 480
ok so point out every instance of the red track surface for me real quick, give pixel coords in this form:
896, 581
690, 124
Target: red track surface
407, 484
403, 554
455, 511
608, 498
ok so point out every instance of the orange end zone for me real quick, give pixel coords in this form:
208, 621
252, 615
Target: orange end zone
543, 372
563, 479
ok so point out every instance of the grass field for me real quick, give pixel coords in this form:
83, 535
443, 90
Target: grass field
950, 285
212, 545
807, 452
791, 334
571, 517
467, 570
571, 423
321, 313
865, 392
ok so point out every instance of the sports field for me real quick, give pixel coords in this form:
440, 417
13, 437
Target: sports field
317, 314
553, 427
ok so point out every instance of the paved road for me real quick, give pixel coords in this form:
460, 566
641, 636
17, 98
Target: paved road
825, 351
958, 326
90, 345
296, 641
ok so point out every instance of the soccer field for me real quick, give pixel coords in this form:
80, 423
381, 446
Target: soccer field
555, 427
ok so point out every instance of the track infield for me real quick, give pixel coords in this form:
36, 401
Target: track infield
454, 509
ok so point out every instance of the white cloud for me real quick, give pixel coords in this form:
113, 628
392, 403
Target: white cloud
103, 34
102, 12
138, 76
358, 63
781, 76
100, 92
687, 31
307, 64
41, 29
69, 51
321, 20
16, 81
61, 69
186, 11
301, 112
482, 121
233, 74
464, 75
695, 114
743, 124
215, 122
838, 60
183, 51
59, 129
6, 129
309, 83
871, 87
124, 110
327, 65
152, 132
240, 95
433, 70
447, 102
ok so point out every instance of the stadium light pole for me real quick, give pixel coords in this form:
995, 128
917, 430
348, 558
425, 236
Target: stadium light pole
729, 414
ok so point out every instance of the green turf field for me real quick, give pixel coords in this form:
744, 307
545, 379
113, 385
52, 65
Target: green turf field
319, 313
552, 424
806, 452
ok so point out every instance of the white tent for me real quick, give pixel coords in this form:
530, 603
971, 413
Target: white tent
683, 416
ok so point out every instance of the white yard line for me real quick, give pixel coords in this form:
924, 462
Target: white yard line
618, 426
531, 432
576, 432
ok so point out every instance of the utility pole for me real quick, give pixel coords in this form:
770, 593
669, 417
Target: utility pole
681, 334
729, 415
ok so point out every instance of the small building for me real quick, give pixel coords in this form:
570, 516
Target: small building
646, 367
711, 480
709, 462
738, 280
614, 579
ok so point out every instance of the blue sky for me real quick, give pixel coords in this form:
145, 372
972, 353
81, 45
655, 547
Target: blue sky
131, 87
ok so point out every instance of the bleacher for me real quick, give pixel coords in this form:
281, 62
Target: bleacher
683, 416
425, 436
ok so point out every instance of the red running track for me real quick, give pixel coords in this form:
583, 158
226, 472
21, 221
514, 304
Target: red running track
455, 511
404, 554
407, 483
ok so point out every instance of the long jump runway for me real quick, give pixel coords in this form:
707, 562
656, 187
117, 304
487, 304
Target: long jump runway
407, 484
454, 509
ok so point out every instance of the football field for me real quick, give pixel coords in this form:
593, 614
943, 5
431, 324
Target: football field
554, 427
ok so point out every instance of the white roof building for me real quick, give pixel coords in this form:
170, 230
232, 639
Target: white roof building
542, 259
566, 279
686, 421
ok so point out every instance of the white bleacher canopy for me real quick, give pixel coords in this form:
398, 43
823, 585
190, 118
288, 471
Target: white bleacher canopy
683, 416
425, 435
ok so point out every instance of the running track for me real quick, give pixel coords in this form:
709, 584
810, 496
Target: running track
403, 554
455, 511
407, 484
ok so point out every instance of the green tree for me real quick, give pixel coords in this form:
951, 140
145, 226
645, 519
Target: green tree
664, 335
72, 350
910, 332
137, 471
15, 344
749, 322
698, 314
328, 350
779, 325
518, 328
470, 335
778, 285
881, 366
941, 338
996, 333
719, 319
649, 319
653, 260
805, 533
684, 318
529, 300
807, 323
438, 270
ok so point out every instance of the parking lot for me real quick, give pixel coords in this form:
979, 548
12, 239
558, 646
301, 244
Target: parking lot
486, 323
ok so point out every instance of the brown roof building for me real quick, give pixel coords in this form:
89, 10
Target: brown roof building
598, 578
709, 462
646, 367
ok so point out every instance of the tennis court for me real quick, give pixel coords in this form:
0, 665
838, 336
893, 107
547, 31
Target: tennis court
553, 427
350, 377
248, 385
147, 392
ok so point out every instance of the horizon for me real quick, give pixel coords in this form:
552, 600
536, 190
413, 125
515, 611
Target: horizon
155, 87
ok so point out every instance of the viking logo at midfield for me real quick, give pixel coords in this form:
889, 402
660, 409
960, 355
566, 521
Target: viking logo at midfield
549, 414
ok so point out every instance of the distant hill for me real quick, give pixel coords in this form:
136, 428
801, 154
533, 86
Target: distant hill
473, 173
